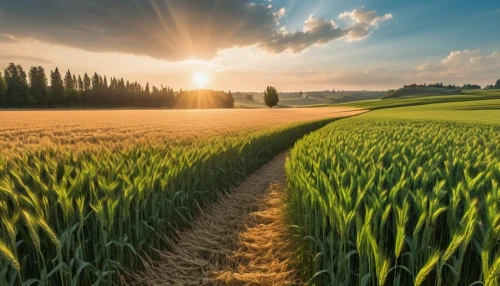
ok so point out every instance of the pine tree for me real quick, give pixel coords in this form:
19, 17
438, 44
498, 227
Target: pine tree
80, 83
38, 81
86, 82
17, 86
96, 83
230, 100
68, 80
3, 91
57, 86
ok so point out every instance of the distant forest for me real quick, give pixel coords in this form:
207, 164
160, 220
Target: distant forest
32, 90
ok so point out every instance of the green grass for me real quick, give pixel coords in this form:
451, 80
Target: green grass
389, 201
481, 111
401, 196
79, 218
424, 100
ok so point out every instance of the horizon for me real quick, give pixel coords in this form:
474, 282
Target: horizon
244, 46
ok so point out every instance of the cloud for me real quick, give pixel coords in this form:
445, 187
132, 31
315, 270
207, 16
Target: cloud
169, 29
462, 64
361, 22
36, 60
7, 38
375, 76
320, 31
364, 17
316, 32
459, 67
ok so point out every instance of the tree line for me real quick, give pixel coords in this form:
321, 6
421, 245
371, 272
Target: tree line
495, 86
34, 89
204, 99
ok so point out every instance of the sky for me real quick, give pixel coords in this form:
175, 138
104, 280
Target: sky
246, 45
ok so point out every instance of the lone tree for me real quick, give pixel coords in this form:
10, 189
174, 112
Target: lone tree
271, 97
497, 85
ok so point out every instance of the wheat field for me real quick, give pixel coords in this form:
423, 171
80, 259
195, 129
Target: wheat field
397, 202
86, 194
119, 129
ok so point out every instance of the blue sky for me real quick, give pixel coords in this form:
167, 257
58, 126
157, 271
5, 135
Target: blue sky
419, 30
376, 44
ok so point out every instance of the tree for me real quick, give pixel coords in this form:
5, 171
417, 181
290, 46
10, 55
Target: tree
17, 86
3, 91
230, 100
68, 80
271, 97
56, 86
80, 83
497, 85
96, 82
38, 89
86, 82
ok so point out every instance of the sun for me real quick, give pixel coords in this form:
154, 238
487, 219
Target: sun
200, 79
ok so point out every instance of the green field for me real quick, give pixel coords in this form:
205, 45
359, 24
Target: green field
484, 111
401, 196
284, 102
79, 203
424, 100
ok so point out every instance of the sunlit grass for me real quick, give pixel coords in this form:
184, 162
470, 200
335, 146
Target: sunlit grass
424, 100
397, 202
404, 196
84, 194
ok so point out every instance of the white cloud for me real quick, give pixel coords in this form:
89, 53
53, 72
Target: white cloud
364, 17
459, 67
462, 64
318, 31
361, 22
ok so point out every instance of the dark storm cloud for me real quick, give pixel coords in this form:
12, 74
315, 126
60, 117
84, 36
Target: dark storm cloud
172, 30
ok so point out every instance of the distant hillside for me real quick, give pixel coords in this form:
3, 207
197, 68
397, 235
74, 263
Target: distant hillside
358, 97
421, 90
424, 100
298, 99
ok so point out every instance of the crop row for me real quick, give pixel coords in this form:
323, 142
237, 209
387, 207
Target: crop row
78, 218
397, 202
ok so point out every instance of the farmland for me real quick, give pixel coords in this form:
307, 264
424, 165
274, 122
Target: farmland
119, 129
86, 193
424, 100
401, 196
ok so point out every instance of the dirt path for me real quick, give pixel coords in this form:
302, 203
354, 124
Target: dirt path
238, 240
